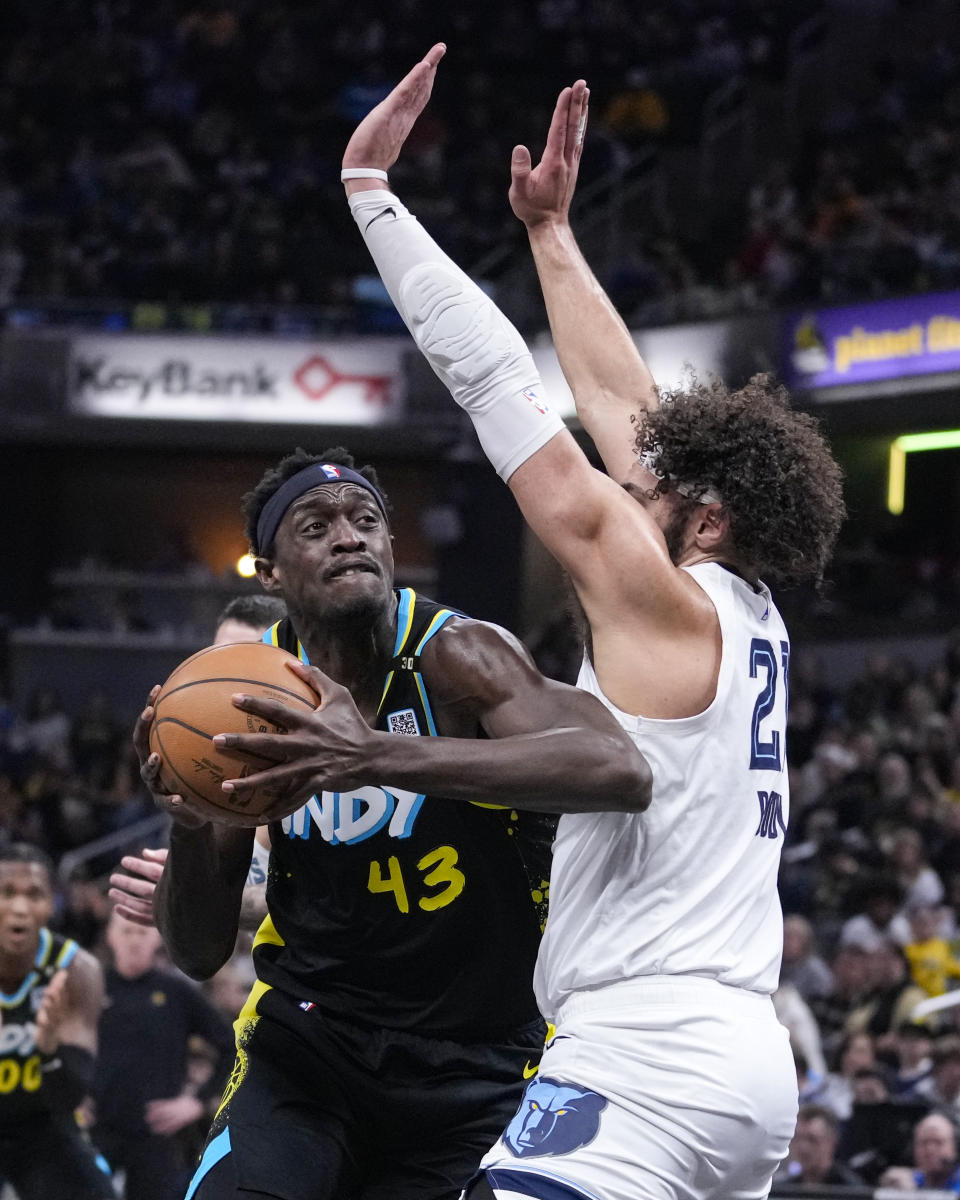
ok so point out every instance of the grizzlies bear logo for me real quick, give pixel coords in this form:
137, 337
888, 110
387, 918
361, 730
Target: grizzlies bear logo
553, 1118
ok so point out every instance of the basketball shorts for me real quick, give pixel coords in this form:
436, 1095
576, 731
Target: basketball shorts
664, 1088
320, 1109
48, 1156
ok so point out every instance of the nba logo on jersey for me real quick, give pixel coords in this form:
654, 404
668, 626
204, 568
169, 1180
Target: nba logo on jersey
330, 470
403, 721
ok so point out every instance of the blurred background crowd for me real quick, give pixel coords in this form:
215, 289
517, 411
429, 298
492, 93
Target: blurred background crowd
176, 165
185, 153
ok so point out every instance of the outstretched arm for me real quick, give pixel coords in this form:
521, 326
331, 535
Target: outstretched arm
609, 379
550, 747
612, 549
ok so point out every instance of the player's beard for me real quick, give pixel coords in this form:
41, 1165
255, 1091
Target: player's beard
675, 532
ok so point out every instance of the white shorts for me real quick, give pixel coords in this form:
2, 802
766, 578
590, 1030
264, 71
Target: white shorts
664, 1088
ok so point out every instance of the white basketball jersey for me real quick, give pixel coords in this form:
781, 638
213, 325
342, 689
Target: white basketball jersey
688, 887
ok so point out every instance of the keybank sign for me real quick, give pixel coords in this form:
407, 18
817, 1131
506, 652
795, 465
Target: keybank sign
238, 379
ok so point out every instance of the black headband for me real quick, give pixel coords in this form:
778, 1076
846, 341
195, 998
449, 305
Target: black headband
306, 480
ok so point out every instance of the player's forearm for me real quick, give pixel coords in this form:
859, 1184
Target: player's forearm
599, 358
557, 770
476, 352
197, 901
608, 377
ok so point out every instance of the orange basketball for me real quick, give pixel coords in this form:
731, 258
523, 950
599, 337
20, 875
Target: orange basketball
195, 703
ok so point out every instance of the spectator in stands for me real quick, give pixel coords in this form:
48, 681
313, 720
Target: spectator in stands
935, 1155
141, 1085
932, 963
812, 1159
941, 1088
890, 1001
912, 1045
869, 928
802, 966
857, 1053
851, 985
920, 883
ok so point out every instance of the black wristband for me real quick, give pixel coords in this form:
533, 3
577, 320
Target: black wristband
67, 1076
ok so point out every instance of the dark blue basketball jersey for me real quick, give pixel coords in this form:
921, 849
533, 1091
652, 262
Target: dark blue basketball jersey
401, 910
21, 1078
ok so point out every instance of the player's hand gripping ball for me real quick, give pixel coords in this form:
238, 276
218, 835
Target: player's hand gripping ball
195, 704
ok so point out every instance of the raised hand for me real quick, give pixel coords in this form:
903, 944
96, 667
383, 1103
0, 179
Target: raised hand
378, 139
543, 193
132, 894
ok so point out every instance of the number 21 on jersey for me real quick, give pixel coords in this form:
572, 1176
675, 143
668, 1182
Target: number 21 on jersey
766, 741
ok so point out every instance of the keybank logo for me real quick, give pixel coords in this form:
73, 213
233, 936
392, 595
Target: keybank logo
172, 378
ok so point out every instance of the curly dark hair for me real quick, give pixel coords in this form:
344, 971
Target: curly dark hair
771, 465
252, 503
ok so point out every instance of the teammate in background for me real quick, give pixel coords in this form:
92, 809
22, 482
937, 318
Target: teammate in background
669, 1075
247, 618
243, 619
152, 1013
386, 1040
51, 994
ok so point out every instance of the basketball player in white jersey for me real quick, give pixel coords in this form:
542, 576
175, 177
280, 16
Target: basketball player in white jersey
668, 1075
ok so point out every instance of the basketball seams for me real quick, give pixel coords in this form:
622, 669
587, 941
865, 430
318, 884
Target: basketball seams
252, 683
191, 764
187, 787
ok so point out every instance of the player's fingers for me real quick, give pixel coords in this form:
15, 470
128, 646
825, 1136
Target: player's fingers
132, 886
312, 676
141, 732
520, 165
283, 777
178, 809
582, 126
150, 769
435, 53
135, 915
142, 867
276, 747
280, 714
557, 133
576, 120
158, 854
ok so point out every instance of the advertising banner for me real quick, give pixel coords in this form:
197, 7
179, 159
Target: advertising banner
864, 343
271, 380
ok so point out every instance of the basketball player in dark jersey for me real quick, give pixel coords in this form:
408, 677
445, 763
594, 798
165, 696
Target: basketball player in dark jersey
51, 994
393, 1022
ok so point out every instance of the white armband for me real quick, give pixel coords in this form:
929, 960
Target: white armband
259, 862
476, 352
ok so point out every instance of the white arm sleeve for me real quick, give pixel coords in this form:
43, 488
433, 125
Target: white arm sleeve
476, 352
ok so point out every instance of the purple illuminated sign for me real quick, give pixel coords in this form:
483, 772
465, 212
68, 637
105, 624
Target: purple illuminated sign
862, 343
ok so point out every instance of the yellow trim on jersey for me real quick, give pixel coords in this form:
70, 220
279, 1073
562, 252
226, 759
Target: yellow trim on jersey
410, 611
439, 617
248, 1013
67, 950
267, 934
272, 634
386, 688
